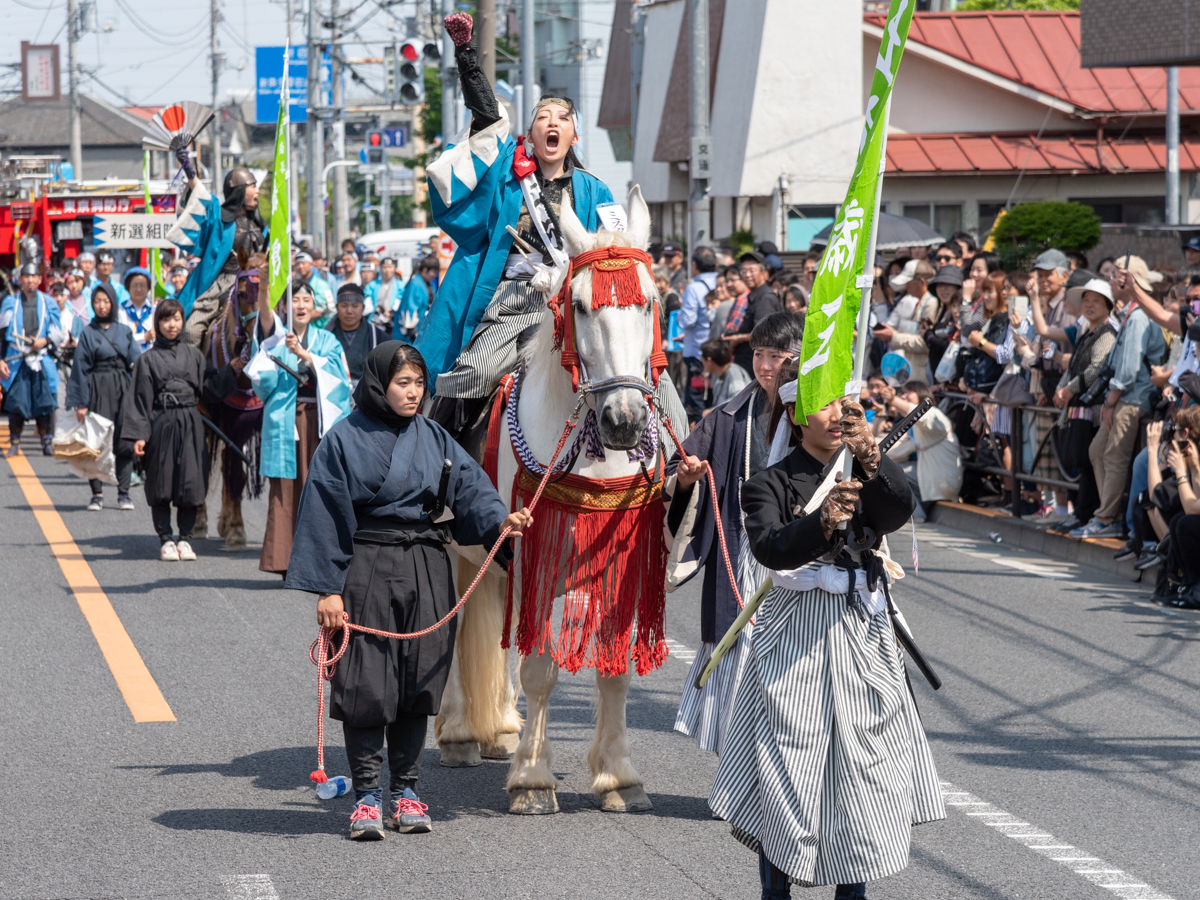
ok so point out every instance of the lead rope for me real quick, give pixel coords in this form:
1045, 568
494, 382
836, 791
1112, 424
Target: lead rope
318, 652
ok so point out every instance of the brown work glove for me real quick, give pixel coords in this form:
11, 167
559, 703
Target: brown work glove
857, 436
838, 507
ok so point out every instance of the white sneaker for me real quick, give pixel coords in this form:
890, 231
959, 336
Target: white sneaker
186, 553
170, 553
96, 505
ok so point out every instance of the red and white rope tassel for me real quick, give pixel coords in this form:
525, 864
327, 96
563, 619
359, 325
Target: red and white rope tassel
318, 652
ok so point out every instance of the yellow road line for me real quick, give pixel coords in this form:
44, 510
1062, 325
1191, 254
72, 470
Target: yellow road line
134, 680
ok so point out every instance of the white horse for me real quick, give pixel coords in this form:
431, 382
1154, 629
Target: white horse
478, 711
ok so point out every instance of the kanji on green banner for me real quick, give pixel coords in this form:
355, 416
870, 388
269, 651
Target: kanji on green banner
280, 246
827, 360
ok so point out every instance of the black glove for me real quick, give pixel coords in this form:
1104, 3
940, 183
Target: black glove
183, 156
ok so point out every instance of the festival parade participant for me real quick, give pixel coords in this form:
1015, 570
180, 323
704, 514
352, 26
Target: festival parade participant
28, 375
488, 299
86, 262
418, 294
358, 335
382, 295
371, 541
137, 310
100, 377
301, 405
105, 262
318, 286
215, 232
77, 311
176, 280
162, 423
826, 767
735, 440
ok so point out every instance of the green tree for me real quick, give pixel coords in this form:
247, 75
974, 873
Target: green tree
1029, 228
984, 5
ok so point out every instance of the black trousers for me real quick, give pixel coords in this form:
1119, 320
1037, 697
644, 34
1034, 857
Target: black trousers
124, 474
1185, 546
161, 515
405, 742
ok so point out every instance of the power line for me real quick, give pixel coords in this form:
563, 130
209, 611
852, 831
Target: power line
152, 32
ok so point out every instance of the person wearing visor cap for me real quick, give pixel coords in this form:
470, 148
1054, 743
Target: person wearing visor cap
215, 230
487, 299
1191, 250
29, 324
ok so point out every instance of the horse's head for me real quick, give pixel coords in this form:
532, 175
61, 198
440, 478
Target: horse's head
252, 274
614, 330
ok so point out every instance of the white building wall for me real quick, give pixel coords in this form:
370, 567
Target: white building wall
594, 143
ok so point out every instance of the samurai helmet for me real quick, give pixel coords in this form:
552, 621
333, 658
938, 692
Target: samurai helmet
236, 178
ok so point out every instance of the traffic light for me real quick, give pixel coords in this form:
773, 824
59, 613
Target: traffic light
412, 73
376, 155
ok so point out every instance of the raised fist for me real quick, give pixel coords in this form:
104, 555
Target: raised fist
459, 26
857, 436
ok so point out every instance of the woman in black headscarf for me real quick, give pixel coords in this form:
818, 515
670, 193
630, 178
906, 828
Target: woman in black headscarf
377, 512
104, 357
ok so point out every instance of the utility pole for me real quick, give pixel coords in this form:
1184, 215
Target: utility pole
315, 131
529, 90
341, 194
485, 21
1172, 145
216, 78
73, 87
449, 79
700, 158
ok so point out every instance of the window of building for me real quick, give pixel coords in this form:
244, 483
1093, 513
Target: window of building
944, 218
987, 218
1126, 210
806, 221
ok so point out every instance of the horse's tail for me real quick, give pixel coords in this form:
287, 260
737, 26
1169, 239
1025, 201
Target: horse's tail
488, 706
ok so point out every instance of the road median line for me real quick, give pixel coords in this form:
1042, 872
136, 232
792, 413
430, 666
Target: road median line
142, 695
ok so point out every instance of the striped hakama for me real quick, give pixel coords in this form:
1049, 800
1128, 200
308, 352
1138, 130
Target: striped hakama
825, 766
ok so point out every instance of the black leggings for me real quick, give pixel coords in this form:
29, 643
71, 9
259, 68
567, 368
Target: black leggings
124, 474
161, 514
1185, 546
16, 424
405, 742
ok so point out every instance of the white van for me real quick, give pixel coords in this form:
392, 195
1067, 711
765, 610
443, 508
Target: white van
403, 244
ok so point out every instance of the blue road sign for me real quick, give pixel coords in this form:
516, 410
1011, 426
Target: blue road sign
394, 137
268, 72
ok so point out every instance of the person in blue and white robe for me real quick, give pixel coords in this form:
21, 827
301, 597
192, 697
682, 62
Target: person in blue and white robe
215, 231
469, 337
137, 309
382, 296
300, 406
30, 325
419, 293
105, 263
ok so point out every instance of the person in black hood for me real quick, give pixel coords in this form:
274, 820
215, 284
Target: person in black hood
100, 377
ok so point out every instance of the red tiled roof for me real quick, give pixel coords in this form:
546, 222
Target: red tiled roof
143, 112
1041, 50
983, 154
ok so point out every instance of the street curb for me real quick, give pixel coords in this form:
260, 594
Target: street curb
1094, 552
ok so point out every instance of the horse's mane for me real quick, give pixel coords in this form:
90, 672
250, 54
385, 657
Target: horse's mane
540, 353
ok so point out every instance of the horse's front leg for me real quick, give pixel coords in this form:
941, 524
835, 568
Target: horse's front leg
531, 783
615, 782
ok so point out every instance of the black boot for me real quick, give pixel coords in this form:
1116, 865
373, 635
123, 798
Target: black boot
456, 414
851, 892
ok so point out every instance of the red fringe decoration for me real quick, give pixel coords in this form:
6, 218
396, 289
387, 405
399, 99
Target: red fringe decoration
616, 286
614, 565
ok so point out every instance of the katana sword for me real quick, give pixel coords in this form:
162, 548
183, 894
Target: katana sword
901, 428
288, 369
208, 423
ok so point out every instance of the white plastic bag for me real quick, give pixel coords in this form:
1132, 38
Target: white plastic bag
948, 363
87, 446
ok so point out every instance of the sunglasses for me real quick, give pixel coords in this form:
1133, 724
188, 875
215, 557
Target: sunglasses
944, 259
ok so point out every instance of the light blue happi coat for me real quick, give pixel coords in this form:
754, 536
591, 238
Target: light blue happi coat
414, 302
12, 317
277, 389
475, 194
371, 295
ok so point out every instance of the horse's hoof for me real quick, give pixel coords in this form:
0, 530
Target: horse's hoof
461, 756
235, 538
233, 546
504, 747
626, 799
533, 802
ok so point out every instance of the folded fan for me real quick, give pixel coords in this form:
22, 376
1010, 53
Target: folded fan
176, 125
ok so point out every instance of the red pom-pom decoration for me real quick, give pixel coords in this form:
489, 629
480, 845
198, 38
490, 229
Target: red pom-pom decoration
318, 776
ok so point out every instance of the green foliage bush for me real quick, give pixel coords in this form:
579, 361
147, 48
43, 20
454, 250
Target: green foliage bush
1030, 228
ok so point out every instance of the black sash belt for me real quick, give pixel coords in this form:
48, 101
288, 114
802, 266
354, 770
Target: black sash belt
401, 534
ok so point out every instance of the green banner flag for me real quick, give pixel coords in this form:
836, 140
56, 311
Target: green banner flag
158, 290
827, 360
281, 214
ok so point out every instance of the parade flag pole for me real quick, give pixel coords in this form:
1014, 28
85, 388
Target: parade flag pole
830, 364
155, 254
280, 251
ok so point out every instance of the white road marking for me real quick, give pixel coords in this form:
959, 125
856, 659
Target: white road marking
250, 887
682, 652
1094, 869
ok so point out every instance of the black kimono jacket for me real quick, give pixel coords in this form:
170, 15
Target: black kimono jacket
364, 531
100, 373
781, 537
161, 410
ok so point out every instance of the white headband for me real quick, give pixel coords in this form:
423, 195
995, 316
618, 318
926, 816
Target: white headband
781, 443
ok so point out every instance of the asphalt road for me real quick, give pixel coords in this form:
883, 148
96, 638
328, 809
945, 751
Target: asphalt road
1069, 703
